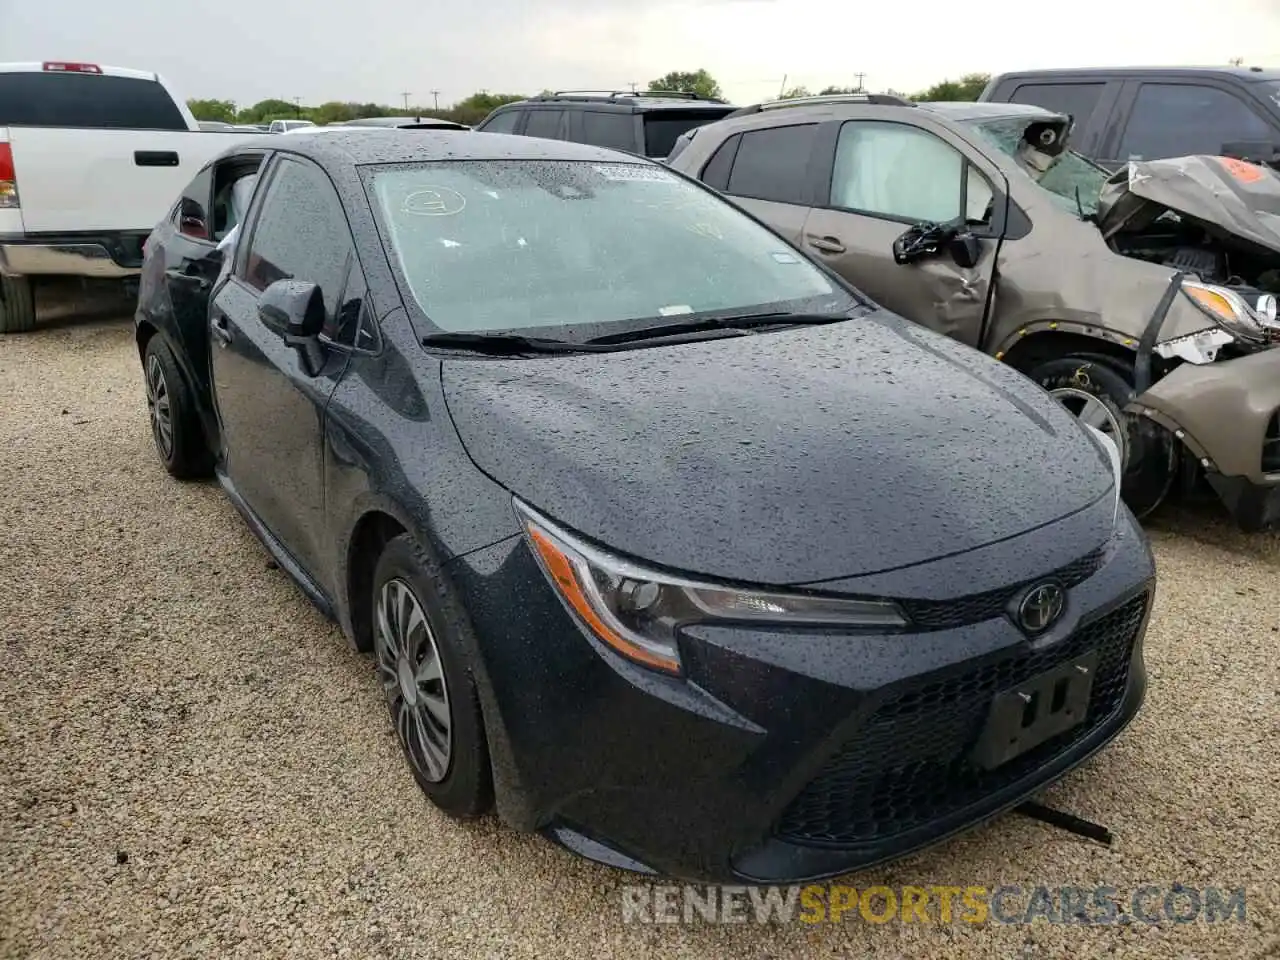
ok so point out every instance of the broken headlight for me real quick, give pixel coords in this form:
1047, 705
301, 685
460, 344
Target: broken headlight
1229, 309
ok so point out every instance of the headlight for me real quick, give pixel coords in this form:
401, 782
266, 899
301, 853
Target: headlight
1117, 466
637, 611
1230, 310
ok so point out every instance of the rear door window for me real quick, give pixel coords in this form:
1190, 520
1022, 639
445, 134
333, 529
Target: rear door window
1181, 119
663, 127
86, 101
605, 129
771, 164
1076, 99
544, 123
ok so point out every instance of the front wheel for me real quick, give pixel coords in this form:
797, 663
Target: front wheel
419, 640
1096, 390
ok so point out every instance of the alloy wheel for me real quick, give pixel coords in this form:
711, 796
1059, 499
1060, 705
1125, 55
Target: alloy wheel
1088, 409
158, 407
413, 681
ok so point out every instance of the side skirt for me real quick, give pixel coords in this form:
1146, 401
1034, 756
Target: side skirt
313, 590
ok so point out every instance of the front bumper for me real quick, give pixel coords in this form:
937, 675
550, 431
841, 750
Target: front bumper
100, 256
785, 756
1227, 414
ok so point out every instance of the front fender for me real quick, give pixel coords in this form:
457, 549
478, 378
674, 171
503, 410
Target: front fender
1220, 411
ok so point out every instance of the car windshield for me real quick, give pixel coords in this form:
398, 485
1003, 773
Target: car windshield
1072, 179
486, 246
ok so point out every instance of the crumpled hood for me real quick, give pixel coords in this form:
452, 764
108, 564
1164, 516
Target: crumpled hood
785, 457
1229, 197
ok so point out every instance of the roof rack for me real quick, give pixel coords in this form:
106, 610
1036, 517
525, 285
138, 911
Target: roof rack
624, 95
878, 99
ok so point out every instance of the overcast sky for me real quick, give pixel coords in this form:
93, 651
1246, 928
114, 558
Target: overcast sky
374, 49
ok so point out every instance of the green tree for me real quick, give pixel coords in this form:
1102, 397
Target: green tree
335, 112
273, 109
476, 107
694, 81
795, 93
968, 87
830, 91
223, 110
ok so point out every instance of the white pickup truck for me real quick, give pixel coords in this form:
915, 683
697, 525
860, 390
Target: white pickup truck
91, 158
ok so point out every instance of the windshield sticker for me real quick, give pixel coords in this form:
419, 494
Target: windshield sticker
449, 243
631, 172
784, 257
434, 202
1242, 170
676, 310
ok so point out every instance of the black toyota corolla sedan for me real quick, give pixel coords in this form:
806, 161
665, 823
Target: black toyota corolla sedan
665, 541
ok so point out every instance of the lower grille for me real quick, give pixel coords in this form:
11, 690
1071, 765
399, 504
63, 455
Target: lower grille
908, 765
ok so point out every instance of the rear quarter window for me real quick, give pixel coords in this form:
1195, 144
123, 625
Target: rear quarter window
87, 101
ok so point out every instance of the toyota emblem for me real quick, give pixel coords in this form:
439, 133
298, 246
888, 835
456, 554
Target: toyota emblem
1041, 607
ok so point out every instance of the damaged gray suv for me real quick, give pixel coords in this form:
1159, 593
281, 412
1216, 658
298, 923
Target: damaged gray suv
1145, 301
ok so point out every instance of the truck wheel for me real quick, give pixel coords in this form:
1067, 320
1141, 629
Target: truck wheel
1096, 390
175, 425
17, 304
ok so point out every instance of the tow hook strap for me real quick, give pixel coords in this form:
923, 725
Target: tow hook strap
1142, 365
1065, 821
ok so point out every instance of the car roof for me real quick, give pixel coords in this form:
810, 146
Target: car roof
639, 100
1248, 74
372, 145
965, 110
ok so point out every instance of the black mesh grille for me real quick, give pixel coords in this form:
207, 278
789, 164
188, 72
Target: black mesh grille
908, 765
1271, 445
976, 607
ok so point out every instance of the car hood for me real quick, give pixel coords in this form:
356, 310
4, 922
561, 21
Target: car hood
781, 458
1231, 198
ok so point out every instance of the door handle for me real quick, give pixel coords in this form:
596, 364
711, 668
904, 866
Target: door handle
825, 244
155, 158
221, 329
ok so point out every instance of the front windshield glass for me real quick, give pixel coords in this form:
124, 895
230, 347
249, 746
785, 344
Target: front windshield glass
491, 245
1070, 177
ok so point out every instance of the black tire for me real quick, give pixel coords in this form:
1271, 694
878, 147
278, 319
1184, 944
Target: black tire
184, 452
17, 304
1150, 452
465, 789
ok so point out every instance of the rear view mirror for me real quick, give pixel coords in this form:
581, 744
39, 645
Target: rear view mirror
966, 250
294, 309
922, 240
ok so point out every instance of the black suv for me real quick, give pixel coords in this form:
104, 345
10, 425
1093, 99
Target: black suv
644, 123
1152, 113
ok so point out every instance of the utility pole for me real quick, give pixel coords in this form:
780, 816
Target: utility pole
405, 94
633, 86
783, 88
435, 94
861, 77
297, 106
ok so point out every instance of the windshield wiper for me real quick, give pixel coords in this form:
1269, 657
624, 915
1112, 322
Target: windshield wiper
738, 322
506, 344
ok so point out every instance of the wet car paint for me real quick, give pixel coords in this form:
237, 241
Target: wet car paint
1043, 272
688, 775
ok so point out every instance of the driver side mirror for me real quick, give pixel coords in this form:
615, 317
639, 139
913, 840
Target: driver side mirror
294, 309
965, 249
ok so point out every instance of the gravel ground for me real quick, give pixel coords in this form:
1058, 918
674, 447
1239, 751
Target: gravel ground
192, 763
